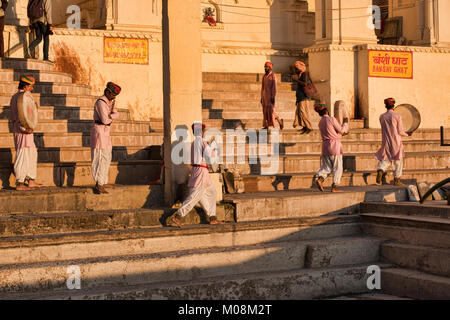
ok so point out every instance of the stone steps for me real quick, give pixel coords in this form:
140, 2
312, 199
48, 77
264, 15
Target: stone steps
32, 64
82, 139
78, 154
65, 113
56, 100
47, 88
80, 174
78, 199
247, 96
282, 285
422, 231
289, 135
284, 204
283, 104
257, 183
245, 86
415, 284
430, 260
437, 209
8, 75
63, 126
272, 165
143, 267
234, 77
348, 146
146, 256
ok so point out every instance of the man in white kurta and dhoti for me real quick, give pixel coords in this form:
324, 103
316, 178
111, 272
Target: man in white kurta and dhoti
201, 188
331, 159
25, 163
391, 151
101, 146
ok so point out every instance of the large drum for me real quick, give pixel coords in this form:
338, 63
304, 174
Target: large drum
28, 111
410, 117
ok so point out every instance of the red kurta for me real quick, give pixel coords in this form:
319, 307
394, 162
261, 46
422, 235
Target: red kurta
268, 92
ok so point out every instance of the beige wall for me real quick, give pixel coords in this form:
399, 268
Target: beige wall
80, 53
345, 22
427, 91
332, 69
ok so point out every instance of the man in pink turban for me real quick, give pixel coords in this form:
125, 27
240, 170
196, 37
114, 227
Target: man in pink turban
268, 93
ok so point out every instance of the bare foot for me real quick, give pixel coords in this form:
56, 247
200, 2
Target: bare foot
177, 221
335, 190
320, 184
33, 184
216, 222
23, 187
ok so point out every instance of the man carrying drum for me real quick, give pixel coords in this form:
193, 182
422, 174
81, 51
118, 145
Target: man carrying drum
101, 146
25, 163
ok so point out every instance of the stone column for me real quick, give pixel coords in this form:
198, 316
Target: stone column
340, 26
16, 14
182, 83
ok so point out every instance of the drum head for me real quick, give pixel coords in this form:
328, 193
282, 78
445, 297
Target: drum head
27, 109
410, 117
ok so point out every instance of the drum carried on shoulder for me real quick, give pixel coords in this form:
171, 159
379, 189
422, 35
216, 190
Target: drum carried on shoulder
27, 110
410, 117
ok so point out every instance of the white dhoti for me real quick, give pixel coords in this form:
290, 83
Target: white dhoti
331, 164
25, 164
101, 160
397, 165
207, 198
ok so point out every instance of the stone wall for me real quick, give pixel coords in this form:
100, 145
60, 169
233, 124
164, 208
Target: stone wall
427, 91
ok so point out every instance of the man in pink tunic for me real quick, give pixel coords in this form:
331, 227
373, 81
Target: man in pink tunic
25, 163
101, 146
201, 188
331, 159
268, 93
391, 151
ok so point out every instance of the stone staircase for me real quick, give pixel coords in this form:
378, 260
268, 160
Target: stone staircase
295, 243
418, 247
63, 133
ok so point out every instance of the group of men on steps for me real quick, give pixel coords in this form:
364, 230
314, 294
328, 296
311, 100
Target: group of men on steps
201, 188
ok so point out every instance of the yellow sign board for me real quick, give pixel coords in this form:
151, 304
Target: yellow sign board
124, 50
391, 64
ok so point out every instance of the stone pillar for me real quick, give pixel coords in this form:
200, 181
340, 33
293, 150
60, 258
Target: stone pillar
16, 14
344, 21
182, 82
340, 26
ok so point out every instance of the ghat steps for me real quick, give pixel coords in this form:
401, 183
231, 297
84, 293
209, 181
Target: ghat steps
291, 244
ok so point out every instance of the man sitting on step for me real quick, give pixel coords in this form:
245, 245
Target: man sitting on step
25, 163
331, 159
201, 188
101, 146
391, 151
